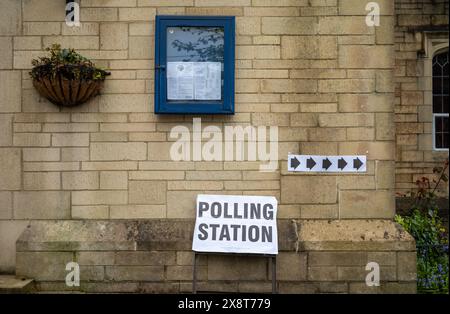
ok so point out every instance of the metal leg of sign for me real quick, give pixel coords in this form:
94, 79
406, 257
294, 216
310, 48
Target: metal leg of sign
194, 279
274, 274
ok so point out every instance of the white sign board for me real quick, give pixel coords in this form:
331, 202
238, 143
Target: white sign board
309, 163
194, 80
236, 224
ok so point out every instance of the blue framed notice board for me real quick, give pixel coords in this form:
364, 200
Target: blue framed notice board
194, 64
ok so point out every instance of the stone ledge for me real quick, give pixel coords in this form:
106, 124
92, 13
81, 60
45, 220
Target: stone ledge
351, 235
176, 234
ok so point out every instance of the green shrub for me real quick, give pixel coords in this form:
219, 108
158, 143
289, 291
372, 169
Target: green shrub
427, 228
432, 249
66, 63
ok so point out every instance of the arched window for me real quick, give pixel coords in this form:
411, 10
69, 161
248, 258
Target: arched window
440, 101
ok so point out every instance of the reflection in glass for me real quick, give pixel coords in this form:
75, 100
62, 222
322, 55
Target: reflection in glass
195, 44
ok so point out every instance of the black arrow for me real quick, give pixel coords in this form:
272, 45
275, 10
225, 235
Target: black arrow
357, 163
294, 162
326, 163
310, 163
342, 163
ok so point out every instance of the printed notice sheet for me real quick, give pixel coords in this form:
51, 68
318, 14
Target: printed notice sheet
194, 80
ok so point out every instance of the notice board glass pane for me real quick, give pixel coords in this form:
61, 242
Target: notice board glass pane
195, 58
194, 64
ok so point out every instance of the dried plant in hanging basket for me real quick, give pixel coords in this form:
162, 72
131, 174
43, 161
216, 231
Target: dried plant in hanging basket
66, 78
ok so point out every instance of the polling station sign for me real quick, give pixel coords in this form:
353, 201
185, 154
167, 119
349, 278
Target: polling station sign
236, 224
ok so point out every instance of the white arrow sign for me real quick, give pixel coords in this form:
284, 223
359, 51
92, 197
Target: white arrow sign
313, 163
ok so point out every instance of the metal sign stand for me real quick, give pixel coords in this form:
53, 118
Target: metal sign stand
272, 257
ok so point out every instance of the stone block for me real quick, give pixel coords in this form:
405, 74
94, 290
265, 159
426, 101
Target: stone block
42, 28
147, 192
290, 267
80, 180
124, 103
141, 47
118, 151
75, 154
236, 268
347, 86
385, 174
90, 212
144, 258
359, 56
304, 120
319, 212
308, 190
387, 288
373, 150
407, 266
10, 17
344, 25
109, 3
288, 86
27, 43
43, 266
10, 169
76, 42
346, 120
70, 140
366, 102
95, 258
354, 204
337, 258
10, 230
322, 273
134, 273
41, 181
90, 29
159, 151
42, 205
98, 14
137, 14
289, 25
113, 180
99, 197
109, 165
5, 206
308, 47
124, 86
6, 130
257, 52
356, 7
10, 90
157, 175
51, 166
43, 10
359, 273
185, 272
327, 134
141, 29
137, 211
181, 204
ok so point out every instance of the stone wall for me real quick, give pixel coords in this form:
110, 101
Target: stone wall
307, 66
417, 38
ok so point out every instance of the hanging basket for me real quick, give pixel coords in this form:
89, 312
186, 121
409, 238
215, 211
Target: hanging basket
68, 93
64, 88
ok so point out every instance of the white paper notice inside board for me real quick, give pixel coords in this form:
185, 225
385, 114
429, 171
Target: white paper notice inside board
194, 80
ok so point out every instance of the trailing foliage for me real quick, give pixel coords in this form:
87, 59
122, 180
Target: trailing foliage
427, 228
66, 63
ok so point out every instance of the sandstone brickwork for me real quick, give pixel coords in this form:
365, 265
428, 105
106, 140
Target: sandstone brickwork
419, 33
314, 68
